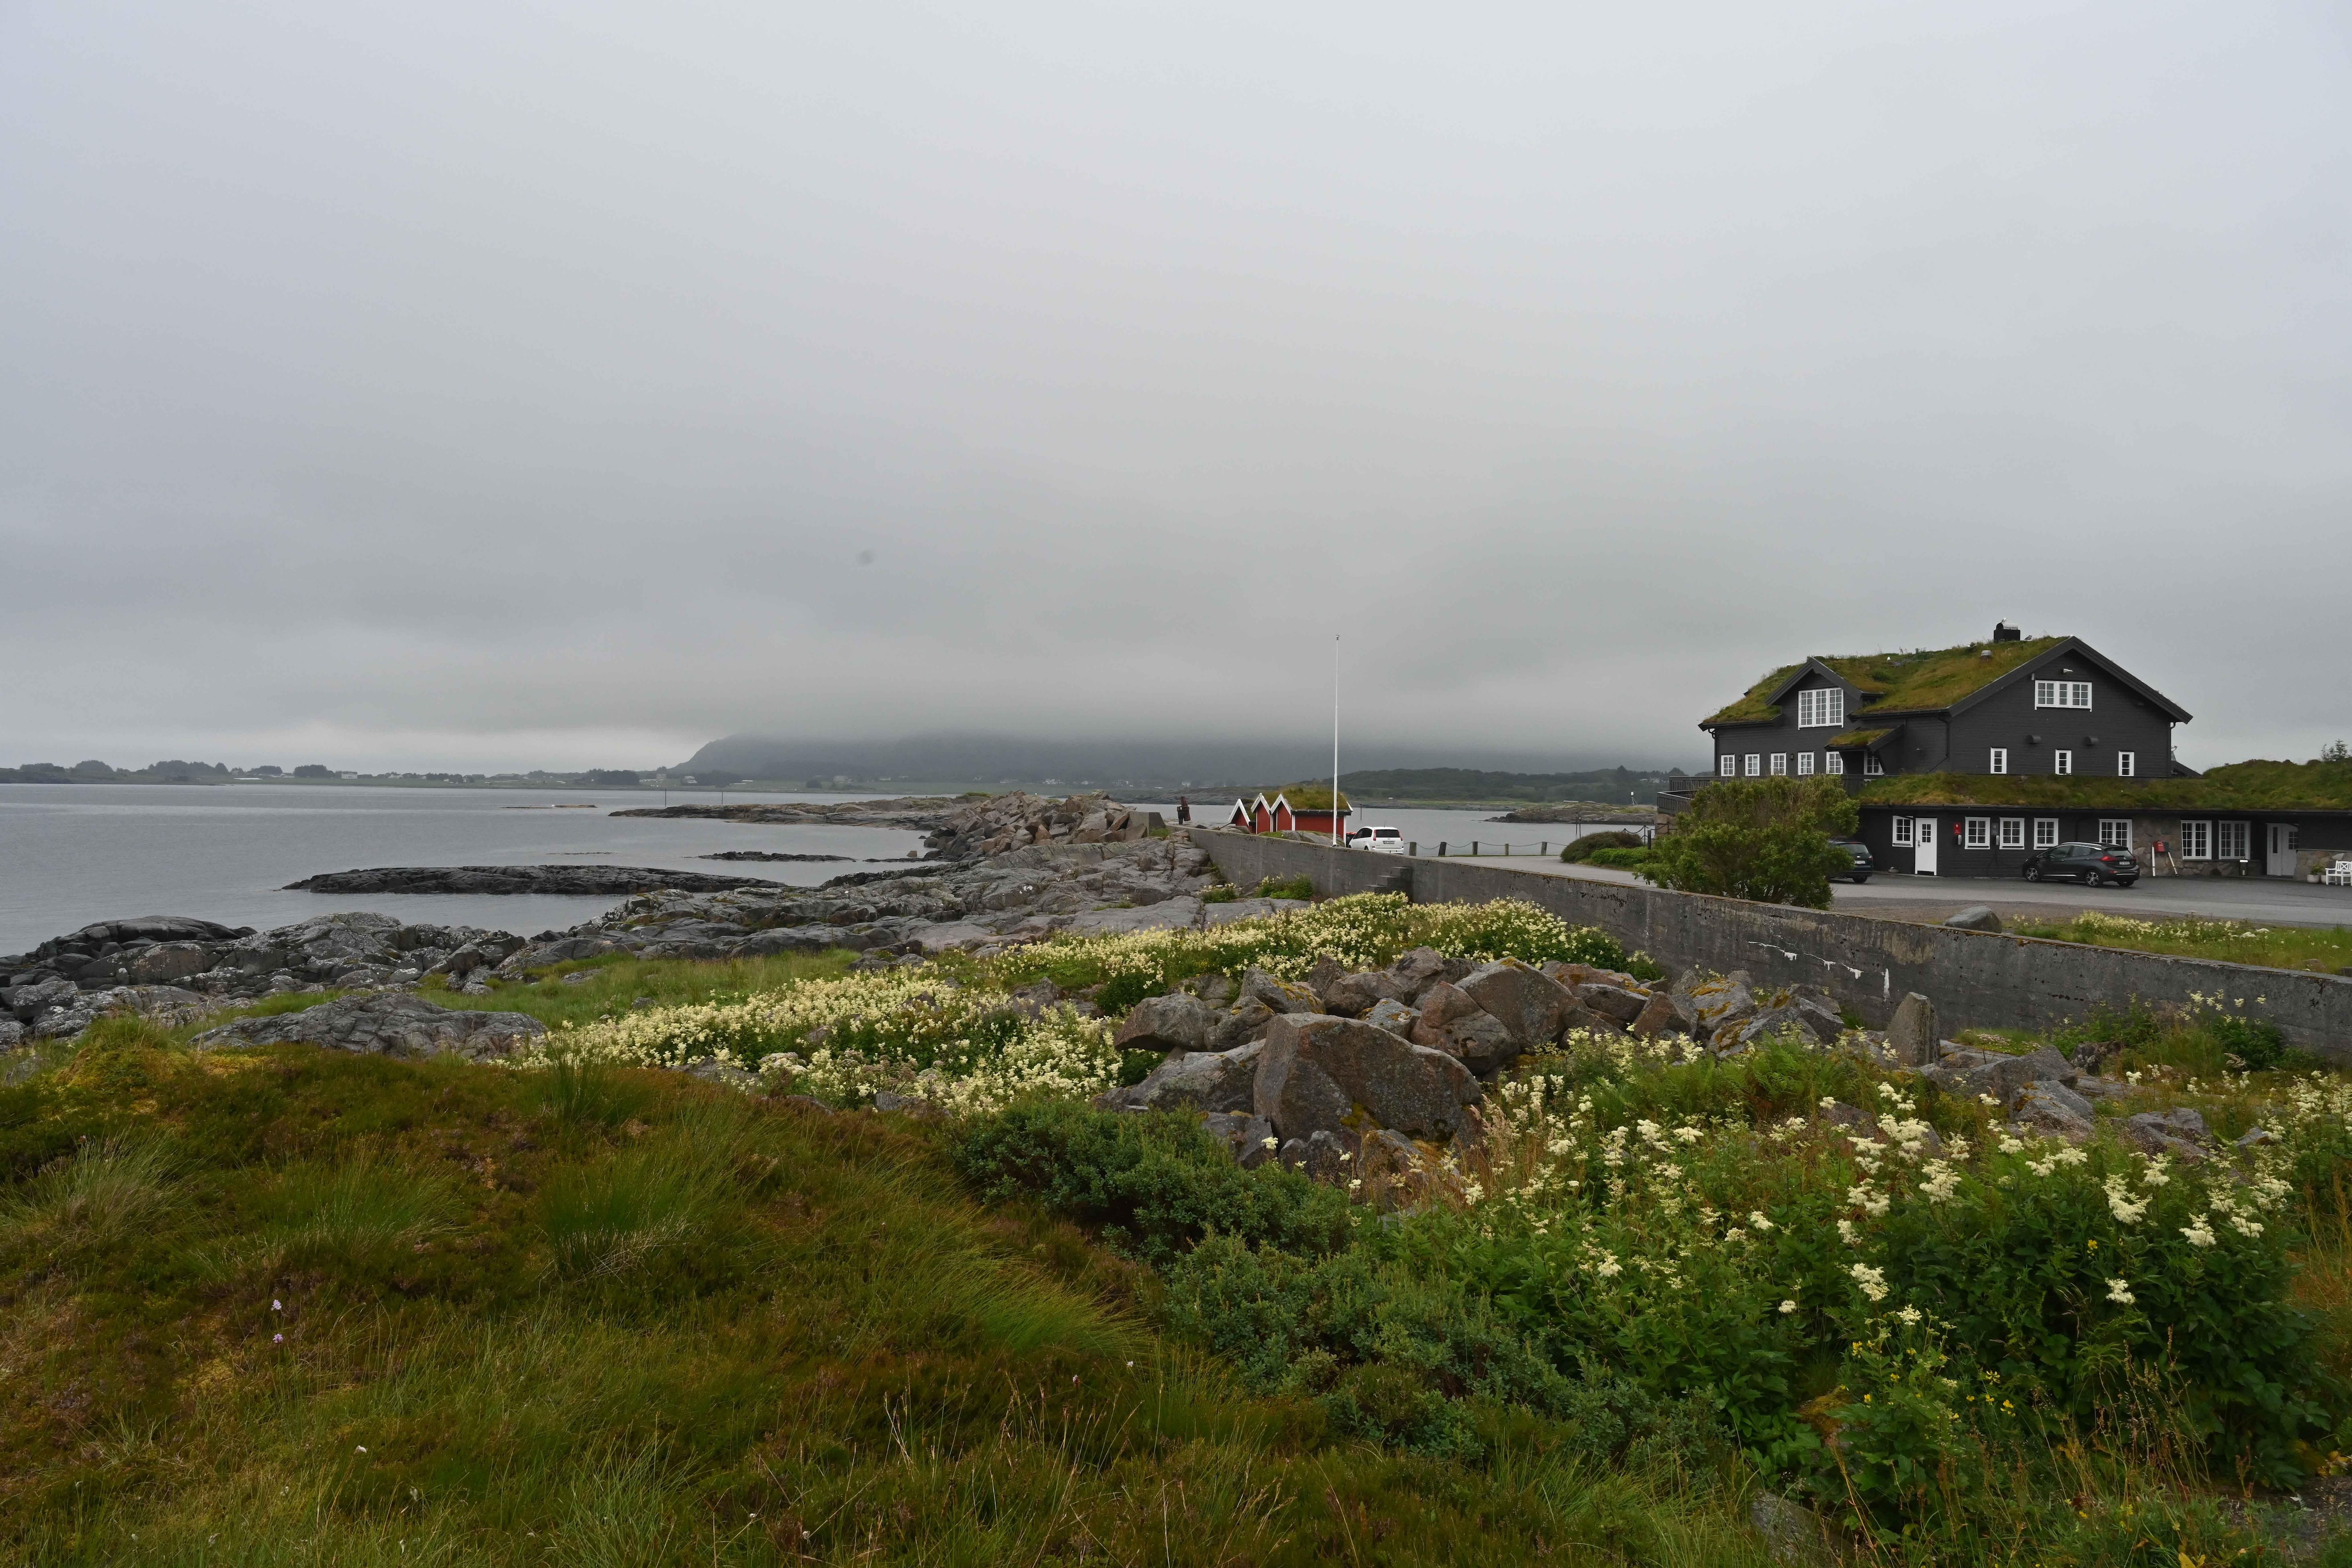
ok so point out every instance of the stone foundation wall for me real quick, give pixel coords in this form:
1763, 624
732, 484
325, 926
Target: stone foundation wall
1976, 979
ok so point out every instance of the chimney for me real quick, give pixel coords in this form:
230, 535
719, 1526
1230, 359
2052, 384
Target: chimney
2003, 632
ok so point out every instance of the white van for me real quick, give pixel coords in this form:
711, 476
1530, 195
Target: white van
1380, 840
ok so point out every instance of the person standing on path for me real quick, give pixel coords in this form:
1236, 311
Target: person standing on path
1183, 810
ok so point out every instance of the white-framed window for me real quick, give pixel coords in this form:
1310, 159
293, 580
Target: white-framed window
1902, 830
2065, 761
2062, 694
1779, 764
1727, 766
1979, 833
1755, 765
2127, 764
2115, 832
2012, 833
1822, 705
2045, 832
1833, 762
1871, 766
2000, 760
1804, 764
2197, 841
2232, 840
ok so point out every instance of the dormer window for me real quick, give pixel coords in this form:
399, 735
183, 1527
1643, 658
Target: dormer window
2062, 694
1822, 705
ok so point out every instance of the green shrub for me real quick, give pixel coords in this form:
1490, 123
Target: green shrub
1578, 850
1285, 887
1766, 839
1153, 1184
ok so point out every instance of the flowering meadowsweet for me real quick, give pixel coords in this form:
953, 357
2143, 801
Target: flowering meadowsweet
1910, 1316
2126, 1209
1787, 1306
2199, 1232
2119, 1291
1873, 1281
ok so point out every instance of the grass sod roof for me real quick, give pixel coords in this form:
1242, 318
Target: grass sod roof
1899, 682
2253, 785
1305, 796
1858, 738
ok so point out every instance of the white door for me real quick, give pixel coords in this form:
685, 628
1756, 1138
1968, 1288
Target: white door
1923, 850
2283, 848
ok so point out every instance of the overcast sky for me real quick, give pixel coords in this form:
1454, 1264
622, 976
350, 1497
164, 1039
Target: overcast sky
491, 384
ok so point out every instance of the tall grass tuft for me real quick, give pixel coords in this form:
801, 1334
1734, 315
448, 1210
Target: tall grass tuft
88, 1202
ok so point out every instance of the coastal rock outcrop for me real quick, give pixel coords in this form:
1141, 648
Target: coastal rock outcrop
408, 1028
352, 951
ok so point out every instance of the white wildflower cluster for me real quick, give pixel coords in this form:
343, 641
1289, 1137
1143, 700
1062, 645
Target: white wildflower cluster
1365, 930
963, 1047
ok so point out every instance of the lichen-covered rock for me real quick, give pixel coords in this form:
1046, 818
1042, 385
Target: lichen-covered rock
1278, 996
1320, 1070
1392, 1015
408, 1028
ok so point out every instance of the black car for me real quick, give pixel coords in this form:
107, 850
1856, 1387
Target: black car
1863, 864
2094, 865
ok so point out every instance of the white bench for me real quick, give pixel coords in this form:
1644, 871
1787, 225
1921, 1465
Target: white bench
2339, 874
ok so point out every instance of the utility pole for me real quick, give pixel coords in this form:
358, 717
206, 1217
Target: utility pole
1335, 739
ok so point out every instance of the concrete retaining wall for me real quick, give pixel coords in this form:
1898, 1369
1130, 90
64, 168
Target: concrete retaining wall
1976, 979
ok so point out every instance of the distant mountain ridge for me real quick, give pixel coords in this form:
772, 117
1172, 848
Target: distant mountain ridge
999, 760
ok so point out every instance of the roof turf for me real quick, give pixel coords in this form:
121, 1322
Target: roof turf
1900, 682
2255, 786
1306, 797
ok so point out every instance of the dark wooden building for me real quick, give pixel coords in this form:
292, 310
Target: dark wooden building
1966, 760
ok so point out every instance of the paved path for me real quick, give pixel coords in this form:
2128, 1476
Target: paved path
1937, 897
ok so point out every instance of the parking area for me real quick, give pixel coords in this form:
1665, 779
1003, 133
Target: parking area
1906, 898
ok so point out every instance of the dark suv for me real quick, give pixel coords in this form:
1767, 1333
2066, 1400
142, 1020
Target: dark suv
1863, 864
2094, 865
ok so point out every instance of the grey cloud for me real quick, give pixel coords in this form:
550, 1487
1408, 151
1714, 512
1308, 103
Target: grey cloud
439, 383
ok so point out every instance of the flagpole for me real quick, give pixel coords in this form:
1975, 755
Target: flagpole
1335, 739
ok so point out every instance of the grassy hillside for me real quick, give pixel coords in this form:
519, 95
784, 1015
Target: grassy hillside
286, 1305
281, 1304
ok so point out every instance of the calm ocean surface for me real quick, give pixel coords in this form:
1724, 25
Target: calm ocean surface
72, 854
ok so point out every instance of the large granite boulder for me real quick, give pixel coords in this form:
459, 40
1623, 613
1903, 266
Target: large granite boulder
1530, 1004
1664, 1013
1973, 1075
2180, 1133
1172, 1022
1278, 996
1417, 969
2054, 1110
1201, 1080
1320, 1070
407, 1027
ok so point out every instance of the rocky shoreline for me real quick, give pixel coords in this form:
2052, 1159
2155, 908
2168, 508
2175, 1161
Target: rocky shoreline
179, 968
1572, 811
